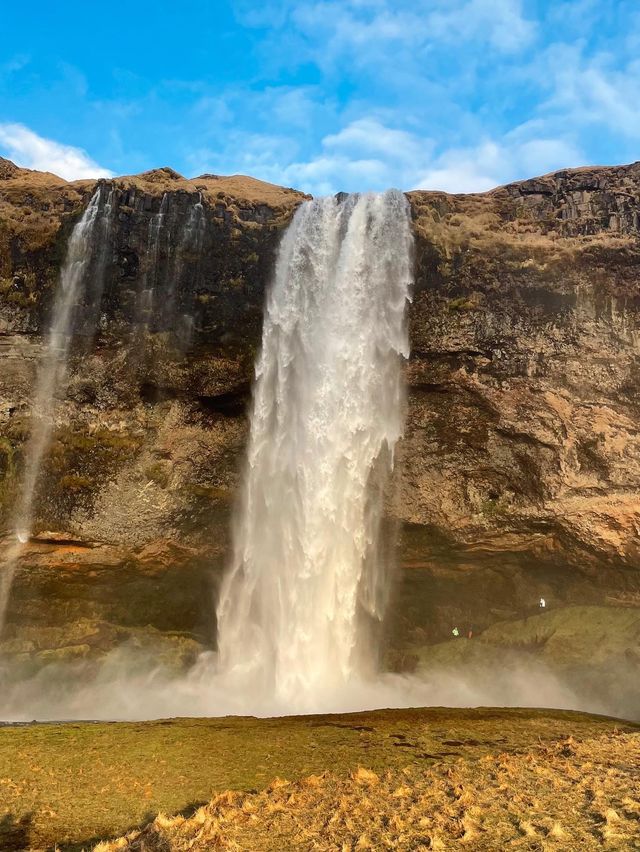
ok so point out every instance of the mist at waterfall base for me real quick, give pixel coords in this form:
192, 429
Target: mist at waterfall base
130, 684
303, 599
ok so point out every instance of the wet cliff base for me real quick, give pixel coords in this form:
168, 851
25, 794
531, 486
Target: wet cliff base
397, 779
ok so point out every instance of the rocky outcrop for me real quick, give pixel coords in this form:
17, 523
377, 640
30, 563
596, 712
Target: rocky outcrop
520, 468
521, 477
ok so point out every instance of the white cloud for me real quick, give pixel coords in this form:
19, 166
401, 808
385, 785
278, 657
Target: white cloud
326, 174
500, 23
593, 91
367, 154
371, 136
291, 107
382, 35
457, 174
364, 155
31, 151
540, 156
13, 65
360, 24
491, 163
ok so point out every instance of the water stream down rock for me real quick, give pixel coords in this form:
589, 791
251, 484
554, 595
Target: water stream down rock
88, 241
516, 477
308, 570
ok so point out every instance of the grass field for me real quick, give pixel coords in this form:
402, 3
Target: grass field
73, 784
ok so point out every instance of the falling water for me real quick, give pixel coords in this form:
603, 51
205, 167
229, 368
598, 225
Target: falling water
88, 233
169, 247
86, 317
305, 579
194, 229
189, 247
328, 409
149, 279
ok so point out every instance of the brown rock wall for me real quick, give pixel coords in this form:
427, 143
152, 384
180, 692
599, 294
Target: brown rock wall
520, 468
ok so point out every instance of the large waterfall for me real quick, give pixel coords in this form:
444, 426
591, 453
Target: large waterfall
87, 243
307, 585
328, 408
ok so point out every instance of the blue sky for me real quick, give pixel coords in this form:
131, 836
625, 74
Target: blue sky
324, 95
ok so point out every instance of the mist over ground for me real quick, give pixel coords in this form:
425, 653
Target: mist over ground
131, 684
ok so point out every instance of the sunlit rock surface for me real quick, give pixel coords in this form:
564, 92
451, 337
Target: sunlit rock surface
520, 467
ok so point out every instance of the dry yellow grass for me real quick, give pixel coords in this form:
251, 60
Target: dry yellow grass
573, 795
67, 786
33, 205
239, 189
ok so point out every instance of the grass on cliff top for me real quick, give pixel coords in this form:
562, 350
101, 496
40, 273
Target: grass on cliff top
71, 784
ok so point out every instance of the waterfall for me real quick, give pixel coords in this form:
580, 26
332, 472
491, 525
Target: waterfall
146, 295
328, 408
189, 247
170, 246
87, 243
194, 229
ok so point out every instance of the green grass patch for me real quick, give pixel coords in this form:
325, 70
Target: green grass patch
70, 784
567, 636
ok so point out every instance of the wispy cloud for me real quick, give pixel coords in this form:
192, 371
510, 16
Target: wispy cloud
364, 155
372, 136
31, 151
357, 30
492, 163
594, 90
501, 24
13, 64
367, 154
459, 95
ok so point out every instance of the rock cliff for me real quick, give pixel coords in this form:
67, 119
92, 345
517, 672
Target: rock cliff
520, 469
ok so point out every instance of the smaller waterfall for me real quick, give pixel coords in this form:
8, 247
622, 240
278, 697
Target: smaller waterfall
147, 292
87, 242
157, 234
194, 229
189, 248
87, 312
172, 247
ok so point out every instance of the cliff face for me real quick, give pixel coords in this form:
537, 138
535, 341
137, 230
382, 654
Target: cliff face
522, 446
520, 468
